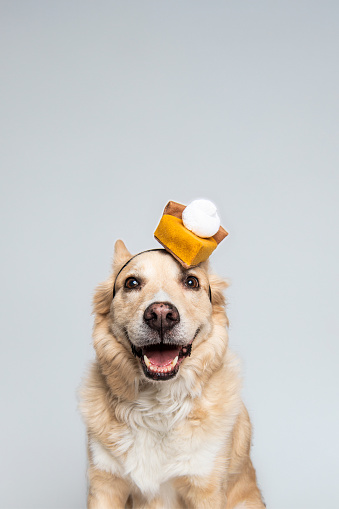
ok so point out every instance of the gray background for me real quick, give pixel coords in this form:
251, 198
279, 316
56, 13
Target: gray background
108, 110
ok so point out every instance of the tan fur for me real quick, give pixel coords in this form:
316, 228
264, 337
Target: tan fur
207, 383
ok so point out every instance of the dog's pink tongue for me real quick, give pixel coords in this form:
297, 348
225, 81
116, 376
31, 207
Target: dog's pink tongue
161, 356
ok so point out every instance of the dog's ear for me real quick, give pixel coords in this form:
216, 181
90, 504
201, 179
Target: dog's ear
104, 292
103, 297
218, 286
121, 255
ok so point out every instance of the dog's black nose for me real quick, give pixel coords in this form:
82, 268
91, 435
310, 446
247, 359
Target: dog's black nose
161, 316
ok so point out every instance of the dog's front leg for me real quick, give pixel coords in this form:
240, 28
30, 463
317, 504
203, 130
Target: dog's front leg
242, 488
242, 491
202, 493
106, 491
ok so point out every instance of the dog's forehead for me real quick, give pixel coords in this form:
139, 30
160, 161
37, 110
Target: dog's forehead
156, 265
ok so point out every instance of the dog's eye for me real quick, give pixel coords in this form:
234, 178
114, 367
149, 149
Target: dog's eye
131, 283
192, 282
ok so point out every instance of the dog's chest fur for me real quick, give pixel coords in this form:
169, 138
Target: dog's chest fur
159, 443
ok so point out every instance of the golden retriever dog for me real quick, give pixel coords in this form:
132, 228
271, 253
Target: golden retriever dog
165, 421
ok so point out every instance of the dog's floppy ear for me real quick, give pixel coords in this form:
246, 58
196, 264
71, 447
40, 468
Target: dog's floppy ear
218, 286
121, 255
104, 292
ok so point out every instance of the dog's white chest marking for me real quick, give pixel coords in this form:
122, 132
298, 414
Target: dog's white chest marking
155, 449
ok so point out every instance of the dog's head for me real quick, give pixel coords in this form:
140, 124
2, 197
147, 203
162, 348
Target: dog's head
156, 311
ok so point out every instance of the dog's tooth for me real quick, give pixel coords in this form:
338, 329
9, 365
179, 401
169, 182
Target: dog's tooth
147, 362
174, 361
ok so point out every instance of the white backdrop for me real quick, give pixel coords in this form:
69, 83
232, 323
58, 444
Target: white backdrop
108, 110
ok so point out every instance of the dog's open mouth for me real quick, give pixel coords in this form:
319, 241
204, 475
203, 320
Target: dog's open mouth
162, 361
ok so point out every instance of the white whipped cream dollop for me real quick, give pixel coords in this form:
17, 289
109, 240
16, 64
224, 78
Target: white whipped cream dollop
201, 218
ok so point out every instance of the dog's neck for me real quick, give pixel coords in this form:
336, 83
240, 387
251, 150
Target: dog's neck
157, 406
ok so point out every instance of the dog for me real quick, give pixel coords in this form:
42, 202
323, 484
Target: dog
166, 425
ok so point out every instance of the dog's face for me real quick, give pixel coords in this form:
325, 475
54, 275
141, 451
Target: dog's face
161, 324
160, 309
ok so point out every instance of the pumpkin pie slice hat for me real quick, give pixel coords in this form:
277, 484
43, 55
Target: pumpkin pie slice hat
190, 233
